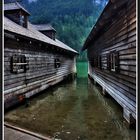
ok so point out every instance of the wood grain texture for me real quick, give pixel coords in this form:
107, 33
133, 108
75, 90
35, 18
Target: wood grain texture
41, 74
119, 36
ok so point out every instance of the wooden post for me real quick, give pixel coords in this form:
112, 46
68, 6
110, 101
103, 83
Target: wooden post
104, 93
95, 82
27, 102
72, 75
129, 118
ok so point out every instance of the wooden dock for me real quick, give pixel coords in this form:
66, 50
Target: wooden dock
16, 133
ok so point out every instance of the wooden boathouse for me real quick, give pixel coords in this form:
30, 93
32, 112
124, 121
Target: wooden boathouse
111, 52
46, 29
32, 60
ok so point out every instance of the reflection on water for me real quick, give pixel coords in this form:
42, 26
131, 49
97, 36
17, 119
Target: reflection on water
73, 111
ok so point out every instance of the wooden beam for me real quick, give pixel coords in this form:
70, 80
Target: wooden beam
129, 118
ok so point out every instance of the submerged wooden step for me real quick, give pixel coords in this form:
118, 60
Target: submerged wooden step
13, 132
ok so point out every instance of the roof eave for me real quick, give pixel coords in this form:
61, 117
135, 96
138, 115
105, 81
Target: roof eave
85, 46
20, 7
33, 39
97, 28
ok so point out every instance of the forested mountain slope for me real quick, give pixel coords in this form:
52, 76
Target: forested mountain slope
73, 19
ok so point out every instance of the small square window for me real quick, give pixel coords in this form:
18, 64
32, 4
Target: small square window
19, 64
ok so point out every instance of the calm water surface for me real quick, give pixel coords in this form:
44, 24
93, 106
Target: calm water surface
73, 111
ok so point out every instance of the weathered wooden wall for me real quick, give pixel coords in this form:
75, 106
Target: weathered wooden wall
120, 36
41, 73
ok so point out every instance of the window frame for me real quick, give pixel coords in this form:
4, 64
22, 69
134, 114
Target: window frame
19, 64
99, 62
57, 63
23, 18
113, 61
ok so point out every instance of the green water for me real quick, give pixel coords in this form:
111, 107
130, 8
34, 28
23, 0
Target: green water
82, 69
73, 111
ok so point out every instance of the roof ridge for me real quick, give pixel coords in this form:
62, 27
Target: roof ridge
31, 32
15, 4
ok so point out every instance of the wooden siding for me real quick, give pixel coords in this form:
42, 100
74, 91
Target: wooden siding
120, 36
41, 74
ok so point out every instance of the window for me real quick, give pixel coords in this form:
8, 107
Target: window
19, 64
113, 61
96, 62
53, 36
92, 63
57, 63
22, 20
99, 62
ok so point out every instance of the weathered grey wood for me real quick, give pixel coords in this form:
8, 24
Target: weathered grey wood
41, 73
104, 92
120, 87
13, 132
118, 35
128, 73
118, 96
33, 67
128, 116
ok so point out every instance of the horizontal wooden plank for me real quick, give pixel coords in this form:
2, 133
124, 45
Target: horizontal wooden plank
128, 73
128, 62
120, 80
93, 50
20, 83
118, 96
129, 30
30, 86
128, 68
119, 48
127, 51
128, 57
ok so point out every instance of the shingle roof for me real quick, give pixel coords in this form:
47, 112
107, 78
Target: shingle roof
31, 32
10, 1
14, 6
44, 27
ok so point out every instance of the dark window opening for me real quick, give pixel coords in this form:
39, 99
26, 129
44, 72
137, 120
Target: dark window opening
18, 17
96, 62
23, 20
19, 64
57, 63
92, 63
99, 62
113, 61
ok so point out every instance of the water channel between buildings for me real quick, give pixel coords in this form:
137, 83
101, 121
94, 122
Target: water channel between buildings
71, 111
